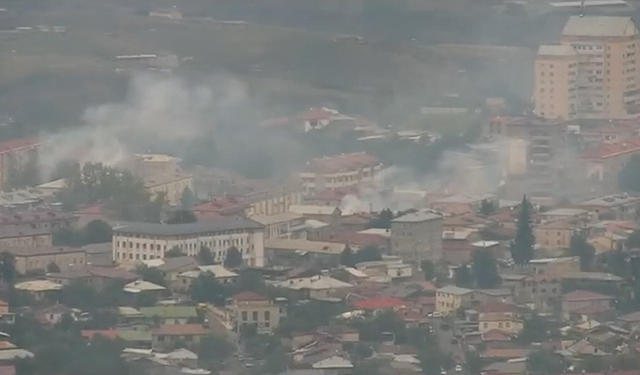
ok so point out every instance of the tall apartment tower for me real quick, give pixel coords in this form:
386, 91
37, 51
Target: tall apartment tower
608, 65
555, 83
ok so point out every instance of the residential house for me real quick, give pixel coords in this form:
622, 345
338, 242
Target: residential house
6, 317
144, 241
167, 336
534, 289
417, 236
251, 309
170, 184
379, 303
499, 316
461, 204
550, 266
301, 252
389, 267
556, 234
47, 220
630, 321
584, 303
450, 298
612, 207
592, 280
315, 287
141, 287
170, 314
171, 268
221, 274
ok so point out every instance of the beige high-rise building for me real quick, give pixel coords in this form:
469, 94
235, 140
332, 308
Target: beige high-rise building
608, 70
555, 85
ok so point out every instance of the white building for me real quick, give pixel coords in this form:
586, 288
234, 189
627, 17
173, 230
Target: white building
339, 171
134, 242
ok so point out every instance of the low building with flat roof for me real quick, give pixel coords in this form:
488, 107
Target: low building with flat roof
38, 258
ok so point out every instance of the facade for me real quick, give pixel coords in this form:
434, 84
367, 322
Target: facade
145, 241
586, 302
417, 236
603, 165
608, 65
23, 236
273, 200
38, 258
170, 184
339, 172
555, 84
285, 225
14, 156
165, 337
536, 289
47, 220
499, 316
556, 234
451, 298
252, 309
154, 164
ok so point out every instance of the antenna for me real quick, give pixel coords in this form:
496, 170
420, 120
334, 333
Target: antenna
582, 8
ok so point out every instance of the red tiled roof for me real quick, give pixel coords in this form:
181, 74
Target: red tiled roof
89, 334
496, 307
379, 303
345, 162
584, 295
609, 150
316, 114
96, 209
410, 315
249, 296
219, 205
16, 144
509, 353
591, 309
180, 330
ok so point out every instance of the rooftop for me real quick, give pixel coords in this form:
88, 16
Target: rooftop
308, 209
248, 297
218, 271
139, 286
40, 251
462, 198
585, 295
342, 163
609, 150
379, 303
216, 225
17, 144
596, 276
304, 246
496, 307
610, 201
163, 179
599, 26
169, 311
314, 283
181, 330
452, 289
565, 212
38, 286
417, 217
277, 218
556, 50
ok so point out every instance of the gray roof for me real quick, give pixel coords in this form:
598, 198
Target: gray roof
599, 26
217, 225
452, 289
417, 217
556, 50
183, 263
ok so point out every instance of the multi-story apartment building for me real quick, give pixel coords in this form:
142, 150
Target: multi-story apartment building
555, 84
24, 236
39, 258
172, 185
339, 171
143, 241
14, 156
417, 236
251, 309
608, 65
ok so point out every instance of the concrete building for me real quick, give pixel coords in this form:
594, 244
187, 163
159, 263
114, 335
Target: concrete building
451, 298
252, 309
45, 220
608, 65
555, 82
339, 171
172, 185
612, 207
23, 236
417, 236
499, 316
38, 258
14, 156
154, 164
603, 164
285, 225
143, 241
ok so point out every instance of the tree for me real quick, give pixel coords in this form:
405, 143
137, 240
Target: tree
79, 294
487, 207
463, 277
522, 246
233, 258
474, 362
213, 349
629, 176
174, 252
151, 274
485, 269
205, 258
538, 329
207, 289
428, 269
182, 217
434, 360
7, 267
369, 253
545, 362
188, 199
584, 250
383, 220
347, 258
633, 241
97, 231
52, 267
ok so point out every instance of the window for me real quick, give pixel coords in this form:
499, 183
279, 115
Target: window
244, 316
486, 325
255, 315
267, 315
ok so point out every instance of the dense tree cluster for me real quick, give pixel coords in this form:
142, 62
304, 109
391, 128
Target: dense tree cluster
522, 246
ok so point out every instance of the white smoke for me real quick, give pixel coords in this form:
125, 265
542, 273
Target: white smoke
157, 109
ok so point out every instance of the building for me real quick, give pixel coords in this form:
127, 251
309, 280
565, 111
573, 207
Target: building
172, 185
299, 252
612, 207
316, 287
170, 314
97, 277
325, 214
555, 82
47, 220
284, 225
252, 309
584, 302
144, 241
24, 236
608, 65
535, 290
417, 236
38, 258
154, 164
221, 274
273, 200
339, 171
499, 316
451, 298
603, 164
556, 234
14, 157
462, 204
39, 289
167, 336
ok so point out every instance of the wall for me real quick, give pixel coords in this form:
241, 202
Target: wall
422, 240
64, 259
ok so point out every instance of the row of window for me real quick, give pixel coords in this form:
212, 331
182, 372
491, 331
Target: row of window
254, 316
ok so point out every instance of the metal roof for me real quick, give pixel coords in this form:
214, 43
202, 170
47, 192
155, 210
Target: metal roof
217, 225
599, 26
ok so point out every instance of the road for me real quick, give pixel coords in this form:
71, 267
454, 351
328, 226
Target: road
445, 339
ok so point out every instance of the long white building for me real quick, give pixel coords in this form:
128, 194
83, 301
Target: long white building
143, 241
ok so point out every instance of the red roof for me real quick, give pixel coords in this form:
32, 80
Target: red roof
180, 330
249, 296
344, 162
16, 144
219, 206
584, 295
317, 114
96, 209
609, 150
379, 303
410, 315
7, 370
496, 307
106, 333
